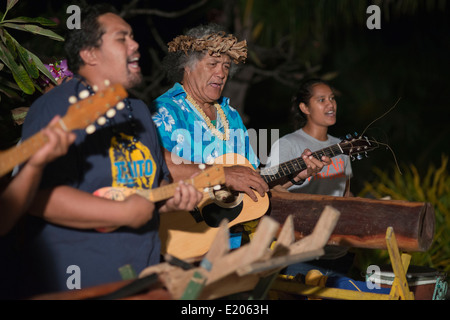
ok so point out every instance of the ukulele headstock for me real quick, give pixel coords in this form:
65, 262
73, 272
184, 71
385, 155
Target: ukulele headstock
212, 177
87, 108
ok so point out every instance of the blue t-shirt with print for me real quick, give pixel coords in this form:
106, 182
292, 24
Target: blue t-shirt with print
125, 152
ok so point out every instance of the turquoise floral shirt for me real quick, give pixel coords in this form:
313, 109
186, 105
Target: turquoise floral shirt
183, 131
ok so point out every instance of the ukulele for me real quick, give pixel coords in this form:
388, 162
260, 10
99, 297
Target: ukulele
187, 235
207, 179
80, 115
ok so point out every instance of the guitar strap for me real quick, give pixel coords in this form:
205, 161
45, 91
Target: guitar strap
197, 215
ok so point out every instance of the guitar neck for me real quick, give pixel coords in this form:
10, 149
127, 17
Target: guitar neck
298, 164
21, 153
160, 193
79, 115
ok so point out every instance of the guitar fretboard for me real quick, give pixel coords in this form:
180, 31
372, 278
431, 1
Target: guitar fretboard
167, 191
298, 164
160, 193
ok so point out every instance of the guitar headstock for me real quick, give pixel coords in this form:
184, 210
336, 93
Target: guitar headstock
354, 145
83, 113
209, 178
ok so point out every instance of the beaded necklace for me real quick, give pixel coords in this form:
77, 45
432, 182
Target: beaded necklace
222, 136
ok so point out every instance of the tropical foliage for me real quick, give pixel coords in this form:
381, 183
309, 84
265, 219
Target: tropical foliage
23, 67
410, 185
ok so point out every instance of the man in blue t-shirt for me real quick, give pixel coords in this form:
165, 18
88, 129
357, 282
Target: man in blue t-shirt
62, 248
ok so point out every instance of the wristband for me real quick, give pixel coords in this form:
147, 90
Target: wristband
297, 183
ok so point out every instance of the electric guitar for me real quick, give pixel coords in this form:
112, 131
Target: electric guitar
80, 115
187, 235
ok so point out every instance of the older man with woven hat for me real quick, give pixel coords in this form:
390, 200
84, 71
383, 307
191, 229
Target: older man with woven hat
195, 122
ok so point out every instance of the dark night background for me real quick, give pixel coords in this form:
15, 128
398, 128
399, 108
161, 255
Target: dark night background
407, 59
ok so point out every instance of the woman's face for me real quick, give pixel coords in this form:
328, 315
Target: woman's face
322, 108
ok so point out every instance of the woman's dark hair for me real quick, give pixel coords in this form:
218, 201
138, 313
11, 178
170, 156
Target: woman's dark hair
303, 94
89, 34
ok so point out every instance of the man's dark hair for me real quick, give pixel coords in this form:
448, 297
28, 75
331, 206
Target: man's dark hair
88, 36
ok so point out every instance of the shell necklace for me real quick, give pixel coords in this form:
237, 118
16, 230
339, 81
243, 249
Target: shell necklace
222, 136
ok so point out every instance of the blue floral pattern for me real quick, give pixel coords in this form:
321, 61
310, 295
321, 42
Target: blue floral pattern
183, 131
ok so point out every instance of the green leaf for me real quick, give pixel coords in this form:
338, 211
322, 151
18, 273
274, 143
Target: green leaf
23, 80
19, 73
41, 67
36, 30
6, 57
10, 4
9, 83
10, 43
10, 92
28, 62
40, 20
24, 56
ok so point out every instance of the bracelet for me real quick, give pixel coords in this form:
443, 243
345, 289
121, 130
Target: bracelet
297, 183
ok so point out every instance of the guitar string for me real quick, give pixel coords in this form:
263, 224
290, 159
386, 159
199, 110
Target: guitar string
385, 144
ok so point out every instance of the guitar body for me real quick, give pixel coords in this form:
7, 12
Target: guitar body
186, 234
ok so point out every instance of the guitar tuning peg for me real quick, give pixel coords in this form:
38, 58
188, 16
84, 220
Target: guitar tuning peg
90, 129
120, 105
95, 88
217, 187
73, 100
101, 121
352, 158
202, 166
111, 113
84, 94
107, 83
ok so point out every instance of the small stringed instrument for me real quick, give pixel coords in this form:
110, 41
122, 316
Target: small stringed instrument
190, 234
207, 179
80, 115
